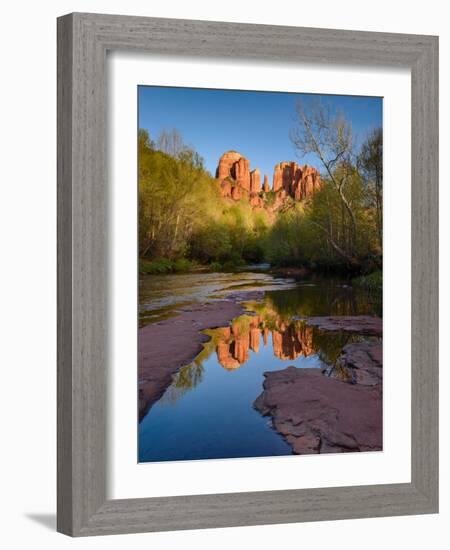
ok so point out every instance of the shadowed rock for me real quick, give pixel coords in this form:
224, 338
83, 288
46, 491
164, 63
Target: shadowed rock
362, 324
364, 362
318, 414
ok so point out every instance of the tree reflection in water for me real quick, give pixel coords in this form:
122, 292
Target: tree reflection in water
186, 378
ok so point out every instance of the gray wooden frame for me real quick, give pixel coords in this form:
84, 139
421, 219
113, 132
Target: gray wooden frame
83, 41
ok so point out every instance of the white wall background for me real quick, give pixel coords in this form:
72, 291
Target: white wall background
28, 271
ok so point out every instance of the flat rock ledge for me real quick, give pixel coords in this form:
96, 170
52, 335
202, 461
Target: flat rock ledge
365, 325
167, 346
245, 296
364, 362
319, 414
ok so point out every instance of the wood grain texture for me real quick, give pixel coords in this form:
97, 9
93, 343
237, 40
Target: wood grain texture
424, 277
83, 40
64, 329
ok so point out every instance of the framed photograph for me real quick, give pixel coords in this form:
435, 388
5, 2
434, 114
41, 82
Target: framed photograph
247, 274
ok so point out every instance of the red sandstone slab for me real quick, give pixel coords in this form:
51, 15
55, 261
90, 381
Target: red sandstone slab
364, 362
362, 324
318, 414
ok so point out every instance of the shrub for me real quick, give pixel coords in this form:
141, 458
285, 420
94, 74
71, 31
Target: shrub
373, 282
160, 265
181, 265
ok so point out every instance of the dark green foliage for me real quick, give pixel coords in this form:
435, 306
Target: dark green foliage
163, 265
215, 267
373, 282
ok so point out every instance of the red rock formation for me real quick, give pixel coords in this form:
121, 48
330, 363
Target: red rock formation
277, 178
256, 201
298, 182
236, 180
226, 188
255, 181
233, 173
242, 170
308, 183
226, 165
289, 180
236, 193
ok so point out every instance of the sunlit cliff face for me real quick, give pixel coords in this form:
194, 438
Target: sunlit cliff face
238, 182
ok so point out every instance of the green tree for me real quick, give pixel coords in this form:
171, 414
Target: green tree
174, 196
370, 164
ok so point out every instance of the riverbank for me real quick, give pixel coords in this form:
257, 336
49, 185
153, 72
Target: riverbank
336, 410
372, 282
167, 346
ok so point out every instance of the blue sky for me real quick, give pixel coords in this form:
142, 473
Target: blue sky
256, 124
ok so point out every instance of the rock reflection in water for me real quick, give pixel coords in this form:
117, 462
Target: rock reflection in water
232, 346
289, 341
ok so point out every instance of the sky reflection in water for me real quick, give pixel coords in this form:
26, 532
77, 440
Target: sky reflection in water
207, 411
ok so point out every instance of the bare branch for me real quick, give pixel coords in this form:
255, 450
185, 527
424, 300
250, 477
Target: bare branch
329, 137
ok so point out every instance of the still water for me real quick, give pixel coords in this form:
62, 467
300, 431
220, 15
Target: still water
207, 411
